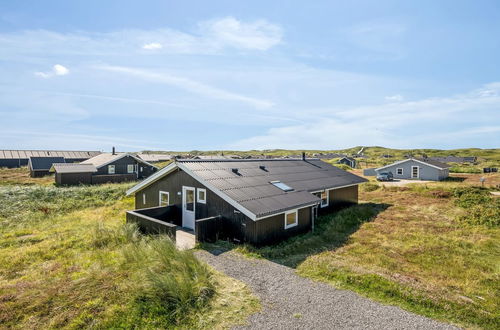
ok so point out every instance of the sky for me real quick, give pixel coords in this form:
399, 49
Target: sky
241, 75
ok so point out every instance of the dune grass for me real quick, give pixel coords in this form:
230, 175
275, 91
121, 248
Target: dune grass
69, 260
406, 246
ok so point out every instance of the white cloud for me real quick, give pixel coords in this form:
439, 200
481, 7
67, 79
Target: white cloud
427, 122
260, 35
152, 46
60, 70
189, 85
394, 98
57, 70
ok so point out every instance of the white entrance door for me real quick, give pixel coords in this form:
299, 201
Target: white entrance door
414, 172
188, 207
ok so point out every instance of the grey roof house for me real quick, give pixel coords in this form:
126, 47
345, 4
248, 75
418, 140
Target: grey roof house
104, 168
40, 166
260, 201
417, 169
18, 158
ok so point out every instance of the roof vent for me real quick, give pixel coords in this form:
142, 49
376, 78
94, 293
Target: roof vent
262, 167
235, 171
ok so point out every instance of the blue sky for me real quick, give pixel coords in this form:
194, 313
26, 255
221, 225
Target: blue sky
208, 75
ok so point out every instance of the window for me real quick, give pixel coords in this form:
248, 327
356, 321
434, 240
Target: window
399, 171
144, 199
202, 196
414, 171
130, 168
111, 169
323, 195
281, 185
291, 219
164, 198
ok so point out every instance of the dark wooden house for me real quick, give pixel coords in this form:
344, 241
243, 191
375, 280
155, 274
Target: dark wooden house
40, 166
259, 201
105, 168
349, 161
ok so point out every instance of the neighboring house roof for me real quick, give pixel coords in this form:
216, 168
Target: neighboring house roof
155, 157
73, 168
246, 184
454, 159
108, 158
43, 163
432, 163
25, 154
348, 158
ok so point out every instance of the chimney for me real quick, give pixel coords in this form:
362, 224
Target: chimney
303, 156
113, 151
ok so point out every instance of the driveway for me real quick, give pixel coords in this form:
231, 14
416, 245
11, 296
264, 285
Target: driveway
401, 182
293, 302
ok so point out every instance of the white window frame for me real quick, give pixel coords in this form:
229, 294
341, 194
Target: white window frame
129, 166
144, 198
198, 199
327, 198
402, 171
111, 167
418, 172
159, 198
296, 211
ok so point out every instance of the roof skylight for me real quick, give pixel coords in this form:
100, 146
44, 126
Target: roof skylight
281, 185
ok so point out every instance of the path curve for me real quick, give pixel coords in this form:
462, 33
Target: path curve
293, 302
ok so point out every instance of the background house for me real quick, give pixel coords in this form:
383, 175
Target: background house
19, 158
417, 169
73, 173
351, 162
40, 166
105, 168
257, 201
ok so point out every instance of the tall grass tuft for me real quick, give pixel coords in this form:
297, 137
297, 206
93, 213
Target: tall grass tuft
171, 284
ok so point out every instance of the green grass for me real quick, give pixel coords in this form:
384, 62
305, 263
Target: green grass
69, 260
407, 247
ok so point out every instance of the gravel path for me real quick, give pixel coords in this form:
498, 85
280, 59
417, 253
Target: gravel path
293, 302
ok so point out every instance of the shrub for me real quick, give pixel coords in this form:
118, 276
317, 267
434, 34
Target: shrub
464, 169
369, 186
481, 208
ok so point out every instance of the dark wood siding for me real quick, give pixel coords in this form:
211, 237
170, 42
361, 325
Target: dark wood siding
73, 178
347, 195
121, 167
271, 230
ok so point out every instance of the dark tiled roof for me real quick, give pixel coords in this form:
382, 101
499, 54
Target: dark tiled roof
44, 163
251, 186
26, 154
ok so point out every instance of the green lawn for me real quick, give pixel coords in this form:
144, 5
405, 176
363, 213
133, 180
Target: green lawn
413, 247
68, 260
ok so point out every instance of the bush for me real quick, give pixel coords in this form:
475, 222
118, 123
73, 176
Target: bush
481, 208
464, 169
369, 186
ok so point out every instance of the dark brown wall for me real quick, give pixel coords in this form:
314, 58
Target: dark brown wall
271, 230
73, 178
121, 167
344, 195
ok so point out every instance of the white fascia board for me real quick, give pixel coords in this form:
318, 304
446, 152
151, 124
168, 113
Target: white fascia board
153, 178
407, 160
